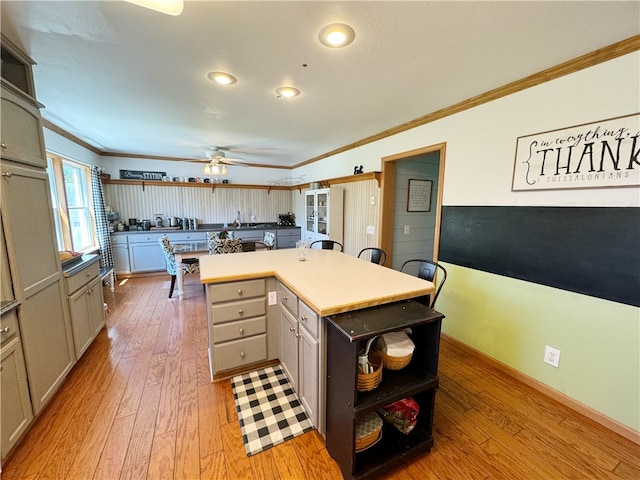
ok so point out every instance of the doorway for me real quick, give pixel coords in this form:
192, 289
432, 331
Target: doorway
397, 219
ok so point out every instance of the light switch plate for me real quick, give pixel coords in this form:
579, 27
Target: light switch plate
273, 298
407, 229
371, 229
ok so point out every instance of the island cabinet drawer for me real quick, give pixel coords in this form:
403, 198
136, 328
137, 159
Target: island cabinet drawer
240, 329
84, 276
226, 312
309, 319
239, 353
288, 299
224, 292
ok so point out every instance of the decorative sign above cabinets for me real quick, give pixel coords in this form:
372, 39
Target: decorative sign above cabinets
140, 175
593, 155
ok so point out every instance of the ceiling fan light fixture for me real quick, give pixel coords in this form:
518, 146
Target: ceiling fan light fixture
215, 168
222, 78
287, 92
336, 35
170, 7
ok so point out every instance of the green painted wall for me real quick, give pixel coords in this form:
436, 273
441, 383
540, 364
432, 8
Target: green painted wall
512, 321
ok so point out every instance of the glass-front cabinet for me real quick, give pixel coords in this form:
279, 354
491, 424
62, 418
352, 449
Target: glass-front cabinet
324, 214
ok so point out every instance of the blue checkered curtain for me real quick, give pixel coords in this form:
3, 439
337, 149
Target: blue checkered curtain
102, 223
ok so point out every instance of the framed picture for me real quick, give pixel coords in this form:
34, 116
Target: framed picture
419, 195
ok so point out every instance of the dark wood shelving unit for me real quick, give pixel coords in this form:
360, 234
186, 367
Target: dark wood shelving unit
347, 335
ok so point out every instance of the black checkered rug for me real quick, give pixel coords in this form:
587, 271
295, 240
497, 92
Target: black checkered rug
268, 409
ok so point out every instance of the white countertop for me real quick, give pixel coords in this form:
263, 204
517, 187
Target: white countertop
328, 281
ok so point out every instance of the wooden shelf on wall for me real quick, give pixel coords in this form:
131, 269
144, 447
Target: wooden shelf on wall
325, 183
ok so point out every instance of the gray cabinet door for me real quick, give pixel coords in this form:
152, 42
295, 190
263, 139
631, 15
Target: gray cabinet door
308, 381
146, 257
81, 320
28, 223
121, 259
21, 130
289, 346
15, 409
47, 341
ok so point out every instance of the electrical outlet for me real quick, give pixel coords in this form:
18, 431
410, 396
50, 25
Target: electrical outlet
371, 229
407, 229
552, 356
273, 298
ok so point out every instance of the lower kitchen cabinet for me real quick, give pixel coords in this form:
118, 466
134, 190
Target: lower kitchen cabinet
15, 410
120, 249
300, 351
145, 253
84, 290
47, 341
237, 322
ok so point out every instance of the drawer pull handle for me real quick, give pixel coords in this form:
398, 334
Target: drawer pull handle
5, 330
241, 354
242, 331
7, 174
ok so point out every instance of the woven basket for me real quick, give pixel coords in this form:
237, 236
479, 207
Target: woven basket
369, 381
368, 431
394, 363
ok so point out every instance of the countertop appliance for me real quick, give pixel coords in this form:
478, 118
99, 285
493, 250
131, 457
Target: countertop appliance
286, 219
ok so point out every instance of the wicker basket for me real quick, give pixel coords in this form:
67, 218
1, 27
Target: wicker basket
369, 381
394, 363
368, 431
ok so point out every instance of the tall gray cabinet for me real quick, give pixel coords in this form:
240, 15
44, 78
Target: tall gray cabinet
33, 262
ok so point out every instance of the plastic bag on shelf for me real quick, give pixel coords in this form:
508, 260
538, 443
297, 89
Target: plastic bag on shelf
402, 414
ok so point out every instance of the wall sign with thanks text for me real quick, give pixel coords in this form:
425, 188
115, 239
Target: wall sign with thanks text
599, 154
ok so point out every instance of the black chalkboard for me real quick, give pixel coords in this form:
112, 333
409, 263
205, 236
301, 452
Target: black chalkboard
590, 250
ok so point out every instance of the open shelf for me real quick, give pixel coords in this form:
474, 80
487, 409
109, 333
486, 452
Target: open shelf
346, 335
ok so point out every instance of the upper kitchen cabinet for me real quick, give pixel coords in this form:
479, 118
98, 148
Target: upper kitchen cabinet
324, 211
22, 138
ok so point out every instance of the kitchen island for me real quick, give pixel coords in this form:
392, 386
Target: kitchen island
268, 306
329, 282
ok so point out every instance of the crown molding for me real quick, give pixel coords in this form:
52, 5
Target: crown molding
601, 55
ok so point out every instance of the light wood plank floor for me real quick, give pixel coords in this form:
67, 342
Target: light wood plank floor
139, 404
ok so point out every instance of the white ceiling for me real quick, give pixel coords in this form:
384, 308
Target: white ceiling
130, 80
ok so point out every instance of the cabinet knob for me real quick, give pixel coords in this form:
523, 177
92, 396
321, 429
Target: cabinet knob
291, 329
241, 331
284, 299
5, 330
239, 291
240, 312
241, 354
303, 318
4, 145
7, 174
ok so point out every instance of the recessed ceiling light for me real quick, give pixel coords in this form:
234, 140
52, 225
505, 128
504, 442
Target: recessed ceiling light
287, 92
222, 78
336, 35
170, 7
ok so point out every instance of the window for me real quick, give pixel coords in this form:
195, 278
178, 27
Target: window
72, 204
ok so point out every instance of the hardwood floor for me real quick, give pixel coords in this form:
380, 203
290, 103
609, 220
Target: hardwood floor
140, 404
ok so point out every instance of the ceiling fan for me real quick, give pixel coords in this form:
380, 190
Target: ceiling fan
218, 162
217, 155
